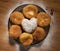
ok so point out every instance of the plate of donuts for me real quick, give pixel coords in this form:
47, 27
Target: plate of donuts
28, 24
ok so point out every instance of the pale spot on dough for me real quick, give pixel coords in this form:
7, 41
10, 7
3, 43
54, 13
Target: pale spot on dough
31, 12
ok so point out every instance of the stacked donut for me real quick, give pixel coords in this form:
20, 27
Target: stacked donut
29, 25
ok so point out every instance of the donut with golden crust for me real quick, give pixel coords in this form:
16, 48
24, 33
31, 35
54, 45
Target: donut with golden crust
16, 17
39, 34
15, 31
30, 11
26, 39
43, 19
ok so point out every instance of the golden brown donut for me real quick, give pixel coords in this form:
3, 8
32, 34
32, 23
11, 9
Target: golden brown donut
30, 11
43, 19
39, 34
15, 31
16, 17
26, 39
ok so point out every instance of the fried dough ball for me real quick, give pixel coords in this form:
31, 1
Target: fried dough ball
30, 11
26, 39
43, 19
16, 17
39, 34
15, 31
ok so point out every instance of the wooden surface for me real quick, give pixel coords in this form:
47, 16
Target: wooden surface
52, 41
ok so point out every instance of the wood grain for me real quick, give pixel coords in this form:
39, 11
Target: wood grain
52, 41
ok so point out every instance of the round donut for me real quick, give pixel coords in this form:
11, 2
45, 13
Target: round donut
43, 19
16, 17
39, 34
30, 11
15, 31
26, 39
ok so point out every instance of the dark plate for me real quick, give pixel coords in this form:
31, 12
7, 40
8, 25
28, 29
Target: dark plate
20, 8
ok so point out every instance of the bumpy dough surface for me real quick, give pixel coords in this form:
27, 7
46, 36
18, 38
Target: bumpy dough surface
16, 17
26, 39
30, 11
39, 34
43, 19
15, 31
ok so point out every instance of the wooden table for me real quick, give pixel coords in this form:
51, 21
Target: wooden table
52, 41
